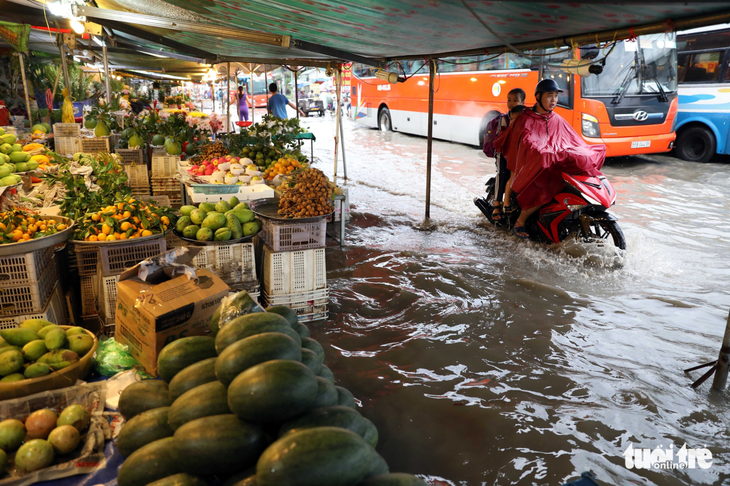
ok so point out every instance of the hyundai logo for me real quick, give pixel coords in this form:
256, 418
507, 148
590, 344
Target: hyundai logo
641, 115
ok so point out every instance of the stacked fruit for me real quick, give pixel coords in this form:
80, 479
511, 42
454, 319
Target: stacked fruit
306, 195
43, 436
260, 376
213, 151
38, 347
20, 225
223, 221
283, 166
41, 131
127, 219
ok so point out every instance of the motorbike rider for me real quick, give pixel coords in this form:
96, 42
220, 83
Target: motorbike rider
539, 146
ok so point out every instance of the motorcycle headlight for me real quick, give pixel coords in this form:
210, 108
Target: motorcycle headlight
577, 207
590, 126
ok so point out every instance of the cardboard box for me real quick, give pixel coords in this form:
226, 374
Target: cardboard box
164, 307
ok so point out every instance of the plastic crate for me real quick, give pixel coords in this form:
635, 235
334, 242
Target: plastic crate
312, 307
294, 236
137, 175
20, 300
293, 272
67, 145
88, 295
173, 241
66, 130
130, 156
234, 264
118, 258
243, 193
164, 166
108, 299
87, 259
25, 268
95, 145
55, 311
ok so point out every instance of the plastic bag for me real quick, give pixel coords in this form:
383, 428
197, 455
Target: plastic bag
113, 357
67, 110
232, 307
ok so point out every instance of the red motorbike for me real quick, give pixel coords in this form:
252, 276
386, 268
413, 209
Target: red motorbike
581, 209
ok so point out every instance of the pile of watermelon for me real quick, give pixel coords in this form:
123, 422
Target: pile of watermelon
251, 405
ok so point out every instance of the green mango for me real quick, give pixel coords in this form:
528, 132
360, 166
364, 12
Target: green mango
42, 333
19, 336
207, 207
222, 207
251, 228
4, 171
58, 359
197, 216
17, 148
183, 222
203, 234
49, 129
32, 165
5, 349
34, 350
3, 343
233, 202
2, 132
186, 210
75, 330
191, 231
234, 225
222, 234
9, 138
38, 128
6, 148
22, 167
37, 369
243, 215
55, 339
80, 344
13, 377
11, 362
214, 221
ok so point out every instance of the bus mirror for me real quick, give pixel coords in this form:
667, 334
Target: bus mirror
596, 69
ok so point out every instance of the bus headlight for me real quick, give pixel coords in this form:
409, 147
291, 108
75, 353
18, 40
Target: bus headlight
590, 126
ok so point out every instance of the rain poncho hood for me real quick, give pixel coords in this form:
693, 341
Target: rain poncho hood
538, 149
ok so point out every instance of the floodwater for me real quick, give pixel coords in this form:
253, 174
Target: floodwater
484, 360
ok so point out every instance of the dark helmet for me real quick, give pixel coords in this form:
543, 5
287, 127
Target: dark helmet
547, 86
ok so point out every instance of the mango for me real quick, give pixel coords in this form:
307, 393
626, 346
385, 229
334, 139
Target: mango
12, 433
11, 362
19, 336
13, 377
182, 223
241, 205
207, 207
64, 439
2, 131
203, 234
80, 344
7, 348
197, 216
191, 231
251, 228
6, 148
42, 333
3, 343
9, 138
222, 234
17, 148
243, 215
186, 210
32, 165
233, 202
34, 350
55, 339
214, 221
22, 167
75, 330
18, 157
3, 454
34, 455
35, 324
75, 415
40, 423
37, 369
233, 224
49, 129
58, 359
4, 171
222, 207
39, 128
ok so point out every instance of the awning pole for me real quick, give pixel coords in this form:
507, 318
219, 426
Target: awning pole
342, 134
228, 98
25, 89
266, 82
337, 120
253, 96
296, 92
431, 77
62, 49
107, 84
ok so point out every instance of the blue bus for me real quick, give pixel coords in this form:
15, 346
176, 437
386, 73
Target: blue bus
703, 73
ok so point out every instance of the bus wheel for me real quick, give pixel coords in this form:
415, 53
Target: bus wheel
696, 144
384, 121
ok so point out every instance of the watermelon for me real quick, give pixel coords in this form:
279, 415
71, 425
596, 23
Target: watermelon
144, 429
142, 396
312, 361
337, 416
181, 479
310, 343
327, 374
183, 352
148, 463
194, 375
254, 350
202, 401
287, 312
393, 479
251, 324
345, 398
326, 394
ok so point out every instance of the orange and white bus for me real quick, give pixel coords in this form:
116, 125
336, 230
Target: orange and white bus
631, 106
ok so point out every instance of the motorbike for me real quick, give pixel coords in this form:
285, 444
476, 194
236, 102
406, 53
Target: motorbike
580, 209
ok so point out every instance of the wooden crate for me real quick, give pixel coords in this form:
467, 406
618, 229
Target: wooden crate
95, 145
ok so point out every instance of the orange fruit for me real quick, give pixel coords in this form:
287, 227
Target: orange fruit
111, 238
126, 215
165, 220
95, 217
101, 237
26, 236
120, 206
147, 233
126, 225
3, 227
61, 227
106, 229
123, 236
132, 200
42, 227
93, 238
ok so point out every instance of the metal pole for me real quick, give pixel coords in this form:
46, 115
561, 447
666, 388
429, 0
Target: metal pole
228, 98
431, 77
296, 91
342, 142
266, 82
25, 89
337, 120
253, 96
723, 361
106, 74
62, 49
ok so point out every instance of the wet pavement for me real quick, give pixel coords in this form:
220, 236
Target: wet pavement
486, 360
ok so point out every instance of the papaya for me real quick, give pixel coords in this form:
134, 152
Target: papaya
142, 396
149, 463
193, 376
183, 352
202, 401
144, 429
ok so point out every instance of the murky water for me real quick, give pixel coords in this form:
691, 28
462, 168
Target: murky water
486, 360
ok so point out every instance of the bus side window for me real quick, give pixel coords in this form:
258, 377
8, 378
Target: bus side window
727, 67
703, 68
682, 62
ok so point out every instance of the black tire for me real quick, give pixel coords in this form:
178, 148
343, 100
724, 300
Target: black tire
602, 229
486, 203
385, 122
696, 144
483, 125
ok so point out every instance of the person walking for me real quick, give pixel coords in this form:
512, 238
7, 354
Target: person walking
243, 102
278, 103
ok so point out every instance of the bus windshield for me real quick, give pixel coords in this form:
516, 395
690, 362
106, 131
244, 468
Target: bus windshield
259, 86
640, 67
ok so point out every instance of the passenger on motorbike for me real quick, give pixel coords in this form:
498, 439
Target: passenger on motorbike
539, 146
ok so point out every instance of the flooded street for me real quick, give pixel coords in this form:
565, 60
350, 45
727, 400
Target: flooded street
486, 360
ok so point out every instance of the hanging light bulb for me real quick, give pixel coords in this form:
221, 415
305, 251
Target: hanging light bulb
77, 27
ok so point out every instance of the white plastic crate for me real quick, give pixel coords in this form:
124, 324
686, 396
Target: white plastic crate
292, 272
20, 300
67, 145
114, 260
282, 236
10, 129
87, 259
55, 312
108, 299
245, 193
88, 286
25, 268
66, 130
234, 264
309, 306
164, 166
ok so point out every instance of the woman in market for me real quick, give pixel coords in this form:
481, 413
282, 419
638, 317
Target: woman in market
243, 102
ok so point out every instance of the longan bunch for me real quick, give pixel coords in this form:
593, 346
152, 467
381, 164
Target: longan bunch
309, 194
